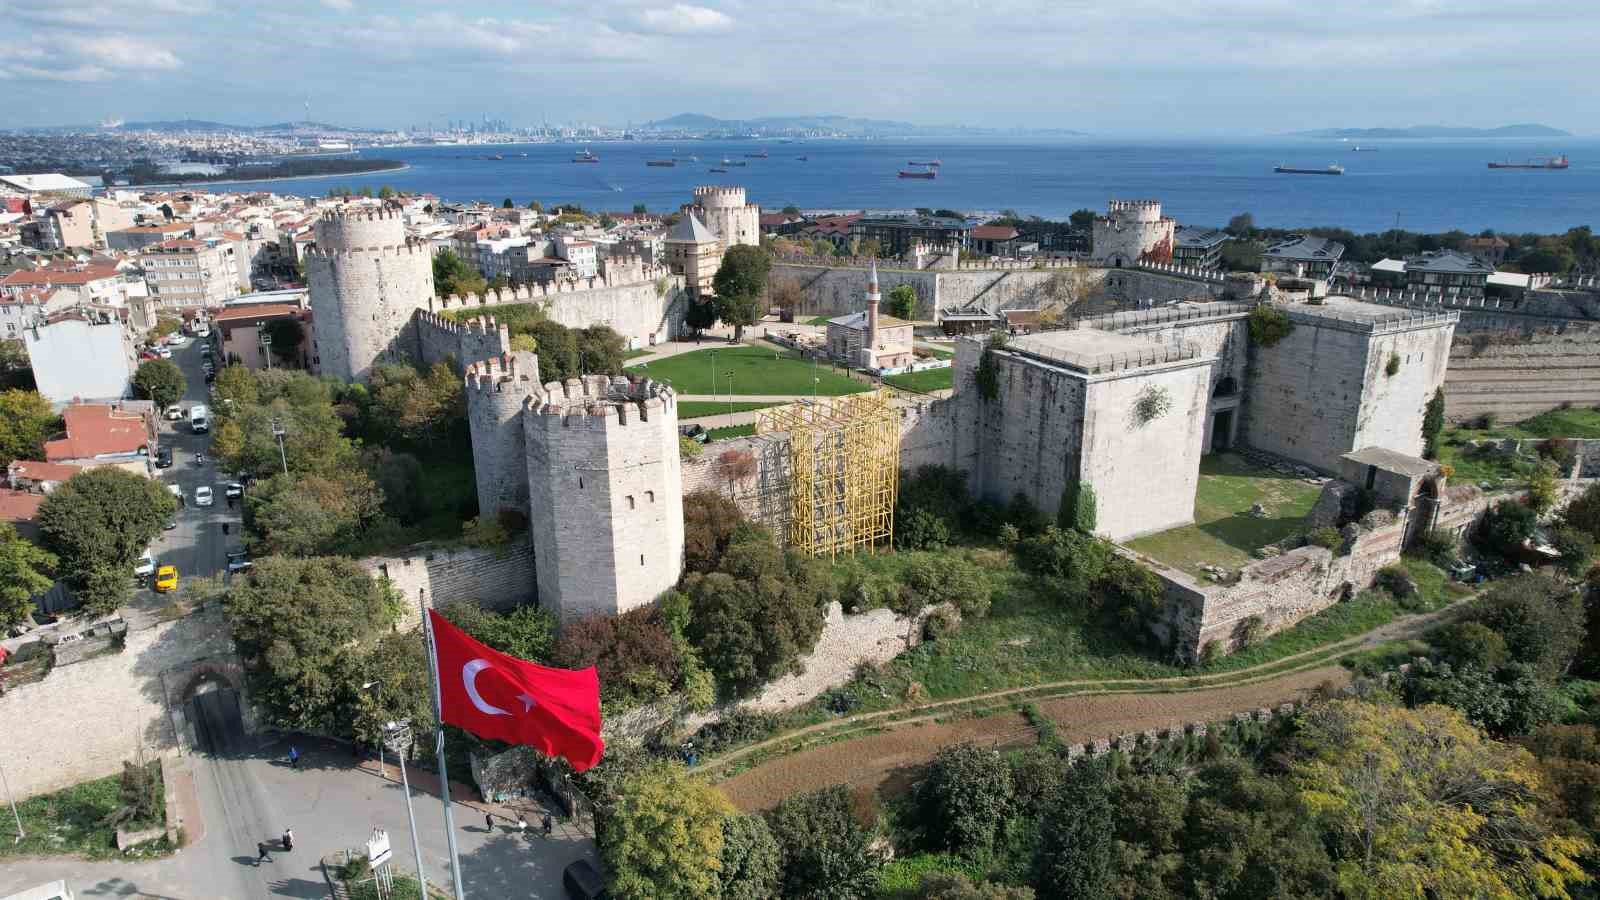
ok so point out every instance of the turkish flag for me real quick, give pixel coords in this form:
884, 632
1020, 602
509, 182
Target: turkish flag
498, 696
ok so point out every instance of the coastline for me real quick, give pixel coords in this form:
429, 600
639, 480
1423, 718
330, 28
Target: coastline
195, 185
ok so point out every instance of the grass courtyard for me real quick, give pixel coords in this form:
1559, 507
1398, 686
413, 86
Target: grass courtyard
757, 370
696, 409
924, 382
72, 821
1224, 533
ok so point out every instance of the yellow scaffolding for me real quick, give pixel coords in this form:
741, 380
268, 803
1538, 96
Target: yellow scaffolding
844, 464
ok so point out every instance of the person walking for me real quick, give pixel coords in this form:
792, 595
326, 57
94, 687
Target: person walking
522, 826
546, 825
294, 757
488, 821
263, 851
288, 839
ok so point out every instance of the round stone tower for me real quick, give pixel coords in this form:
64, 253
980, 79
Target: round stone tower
1132, 231
497, 389
724, 210
366, 279
605, 494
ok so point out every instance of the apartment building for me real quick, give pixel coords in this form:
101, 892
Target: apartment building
188, 274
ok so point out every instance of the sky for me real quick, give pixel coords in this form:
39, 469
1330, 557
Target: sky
1127, 67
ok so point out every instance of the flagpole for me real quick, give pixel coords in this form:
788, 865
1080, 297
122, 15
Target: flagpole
444, 774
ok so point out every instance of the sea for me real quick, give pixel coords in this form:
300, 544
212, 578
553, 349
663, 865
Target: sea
1418, 185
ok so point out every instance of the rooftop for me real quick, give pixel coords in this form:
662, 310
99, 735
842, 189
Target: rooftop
1450, 262
19, 507
690, 230
234, 315
944, 222
994, 233
36, 471
857, 321
1306, 247
1090, 350
1198, 236
44, 183
95, 429
1393, 461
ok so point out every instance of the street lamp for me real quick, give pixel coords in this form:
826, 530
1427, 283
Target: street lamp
729, 373
20, 833
399, 736
278, 431
712, 355
376, 684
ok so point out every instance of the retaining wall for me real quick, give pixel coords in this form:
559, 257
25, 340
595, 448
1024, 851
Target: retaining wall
495, 578
1514, 376
644, 312
832, 291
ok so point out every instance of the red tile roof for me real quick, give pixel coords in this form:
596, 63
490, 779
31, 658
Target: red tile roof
18, 506
993, 233
95, 429
54, 276
36, 471
259, 311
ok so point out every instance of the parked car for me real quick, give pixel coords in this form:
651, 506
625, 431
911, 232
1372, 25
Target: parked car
166, 579
145, 566
584, 882
202, 496
174, 413
164, 353
164, 458
200, 458
238, 561
696, 433
175, 491
171, 524
233, 491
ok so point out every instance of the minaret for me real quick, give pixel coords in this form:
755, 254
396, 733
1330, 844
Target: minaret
872, 313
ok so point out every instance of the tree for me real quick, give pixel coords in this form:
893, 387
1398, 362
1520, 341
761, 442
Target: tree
758, 613
422, 407
385, 193
701, 314
640, 209
398, 662
307, 515
1582, 513
25, 571
601, 351
947, 579
1241, 225
964, 801
955, 886
558, 351
740, 283
535, 206
787, 294
164, 326
160, 381
238, 384
1541, 620
1416, 802
302, 626
1470, 644
709, 521
1247, 835
507, 204
664, 838
1077, 839
1550, 260
827, 855
283, 337
526, 632
1543, 487
1505, 527
97, 523
1576, 549
1569, 759
735, 467
452, 275
26, 421
16, 371
1078, 509
1433, 425
634, 654
1082, 218
398, 477
903, 302
752, 862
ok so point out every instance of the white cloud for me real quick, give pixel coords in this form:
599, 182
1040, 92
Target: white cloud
77, 74
339, 5
681, 18
119, 52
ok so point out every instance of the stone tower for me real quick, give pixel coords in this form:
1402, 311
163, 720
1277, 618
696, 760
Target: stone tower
605, 494
726, 213
497, 389
1132, 231
366, 280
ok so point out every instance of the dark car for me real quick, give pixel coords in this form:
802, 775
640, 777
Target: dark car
696, 433
238, 561
164, 458
584, 882
210, 376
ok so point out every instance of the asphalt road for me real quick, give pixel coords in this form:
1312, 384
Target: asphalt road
197, 546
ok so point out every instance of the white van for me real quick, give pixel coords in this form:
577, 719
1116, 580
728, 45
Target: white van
198, 421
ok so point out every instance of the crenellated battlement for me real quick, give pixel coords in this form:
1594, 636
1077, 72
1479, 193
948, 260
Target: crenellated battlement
1134, 206
537, 292
409, 248
362, 213
719, 195
512, 372
439, 322
620, 398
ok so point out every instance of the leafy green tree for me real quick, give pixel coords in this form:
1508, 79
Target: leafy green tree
827, 854
398, 477
903, 302
302, 627
640, 209
758, 613
1075, 857
956, 886
1582, 513
701, 314
284, 337
740, 284
97, 523
558, 351
16, 371
507, 204
929, 508
752, 862
308, 515
398, 663
1416, 802
1543, 487
1433, 425
1577, 550
1241, 225
1552, 260
634, 654
709, 522
1082, 218
664, 838
238, 384
25, 571
1505, 527
314, 441
422, 407
1470, 644
1569, 760
1541, 620
1248, 836
453, 275
601, 350
385, 193
526, 632
26, 422
1078, 507
160, 381
964, 801
949, 579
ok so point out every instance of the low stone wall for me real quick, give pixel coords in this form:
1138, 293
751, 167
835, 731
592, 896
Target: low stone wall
836, 290
1139, 287
493, 577
1513, 376
1150, 739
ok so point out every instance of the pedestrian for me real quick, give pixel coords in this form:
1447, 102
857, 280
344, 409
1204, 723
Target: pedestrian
224, 528
294, 757
522, 826
546, 824
488, 821
288, 839
262, 849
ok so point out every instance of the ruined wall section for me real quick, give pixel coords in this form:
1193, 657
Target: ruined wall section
1142, 288
830, 291
1513, 376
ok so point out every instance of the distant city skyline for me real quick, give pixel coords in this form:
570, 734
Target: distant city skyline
1252, 67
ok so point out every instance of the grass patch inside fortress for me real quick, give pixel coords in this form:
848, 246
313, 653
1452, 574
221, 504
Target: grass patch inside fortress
1575, 422
762, 370
70, 822
1224, 533
924, 382
697, 409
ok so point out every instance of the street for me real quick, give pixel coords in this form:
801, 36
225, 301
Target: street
197, 546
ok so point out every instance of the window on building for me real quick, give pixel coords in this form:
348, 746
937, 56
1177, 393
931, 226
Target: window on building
630, 501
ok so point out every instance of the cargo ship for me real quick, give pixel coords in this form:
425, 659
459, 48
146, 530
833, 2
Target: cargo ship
1538, 162
932, 162
1360, 149
662, 163
584, 157
1291, 170
728, 162
761, 155
929, 174
723, 171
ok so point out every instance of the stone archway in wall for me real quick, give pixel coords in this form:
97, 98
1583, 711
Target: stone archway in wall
205, 701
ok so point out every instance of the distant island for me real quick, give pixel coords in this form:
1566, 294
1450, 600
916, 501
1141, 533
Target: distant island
1436, 131
292, 168
704, 126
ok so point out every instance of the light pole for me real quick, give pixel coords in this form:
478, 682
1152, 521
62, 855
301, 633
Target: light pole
713, 357
278, 431
376, 686
20, 833
729, 373
400, 734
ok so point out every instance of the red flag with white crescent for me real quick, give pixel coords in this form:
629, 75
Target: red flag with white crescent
498, 696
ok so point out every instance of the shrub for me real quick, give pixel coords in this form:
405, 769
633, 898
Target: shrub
636, 657
1133, 597
690, 449
1392, 367
1251, 630
1438, 546
1022, 513
1470, 643
1505, 527
1433, 425
709, 520
949, 579
964, 800
929, 506
1210, 652
1063, 554
740, 726
1560, 452
1577, 549
1542, 488
1541, 620
827, 854
1269, 325
941, 623
1326, 536
1397, 581
1153, 402
1583, 513
1078, 507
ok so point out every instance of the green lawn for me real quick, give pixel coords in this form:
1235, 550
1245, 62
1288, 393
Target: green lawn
694, 409
1576, 422
924, 382
820, 321
1224, 533
756, 370
730, 431
936, 352
1493, 468
634, 354
69, 822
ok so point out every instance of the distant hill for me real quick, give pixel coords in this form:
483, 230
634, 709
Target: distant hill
205, 125
778, 125
1436, 131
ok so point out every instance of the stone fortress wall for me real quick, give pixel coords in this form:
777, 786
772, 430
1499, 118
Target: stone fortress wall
725, 211
492, 577
366, 279
496, 390
605, 488
1132, 231
835, 291
1513, 375
475, 340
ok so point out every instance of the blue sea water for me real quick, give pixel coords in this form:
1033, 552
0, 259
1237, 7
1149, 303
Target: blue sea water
1424, 185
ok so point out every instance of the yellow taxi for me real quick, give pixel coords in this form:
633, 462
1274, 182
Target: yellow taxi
166, 579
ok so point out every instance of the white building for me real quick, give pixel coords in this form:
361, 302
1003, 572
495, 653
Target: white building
187, 274
84, 353
580, 253
52, 184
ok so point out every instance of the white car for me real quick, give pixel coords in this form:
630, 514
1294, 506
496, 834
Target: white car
164, 352
175, 491
202, 496
146, 566
174, 413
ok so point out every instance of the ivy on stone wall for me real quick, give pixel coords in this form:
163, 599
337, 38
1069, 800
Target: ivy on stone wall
1392, 368
1269, 325
987, 377
1433, 425
1079, 509
1152, 403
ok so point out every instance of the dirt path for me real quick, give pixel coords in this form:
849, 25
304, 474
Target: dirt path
873, 760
